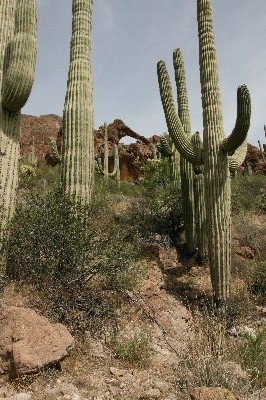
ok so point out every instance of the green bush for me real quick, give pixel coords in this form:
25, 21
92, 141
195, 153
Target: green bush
40, 179
160, 208
79, 259
249, 193
253, 357
135, 351
258, 279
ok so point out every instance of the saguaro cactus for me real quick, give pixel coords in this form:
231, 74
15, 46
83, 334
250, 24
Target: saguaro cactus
263, 147
77, 168
216, 148
18, 25
105, 169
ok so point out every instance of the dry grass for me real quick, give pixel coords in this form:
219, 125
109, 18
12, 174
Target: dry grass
210, 358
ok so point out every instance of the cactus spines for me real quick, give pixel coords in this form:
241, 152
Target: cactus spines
216, 148
77, 168
18, 23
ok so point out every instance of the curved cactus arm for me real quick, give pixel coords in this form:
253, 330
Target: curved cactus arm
240, 131
174, 124
182, 96
20, 57
164, 147
197, 143
238, 158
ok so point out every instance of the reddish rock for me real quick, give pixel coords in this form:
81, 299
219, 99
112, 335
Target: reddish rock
246, 252
36, 133
118, 130
254, 159
29, 342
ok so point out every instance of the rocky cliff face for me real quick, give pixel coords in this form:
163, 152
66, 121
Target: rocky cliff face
37, 132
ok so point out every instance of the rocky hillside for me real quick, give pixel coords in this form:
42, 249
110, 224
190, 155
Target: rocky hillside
37, 132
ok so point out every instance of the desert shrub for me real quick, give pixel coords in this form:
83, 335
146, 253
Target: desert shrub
257, 280
79, 258
251, 233
240, 305
159, 210
249, 193
253, 357
135, 351
40, 179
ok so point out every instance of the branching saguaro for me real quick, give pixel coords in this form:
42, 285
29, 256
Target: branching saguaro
216, 148
18, 25
77, 168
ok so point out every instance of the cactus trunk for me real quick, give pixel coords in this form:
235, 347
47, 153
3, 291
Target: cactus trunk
17, 65
216, 164
186, 169
77, 169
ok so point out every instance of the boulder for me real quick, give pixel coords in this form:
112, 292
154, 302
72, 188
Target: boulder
29, 342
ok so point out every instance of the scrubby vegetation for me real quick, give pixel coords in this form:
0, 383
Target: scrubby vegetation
82, 262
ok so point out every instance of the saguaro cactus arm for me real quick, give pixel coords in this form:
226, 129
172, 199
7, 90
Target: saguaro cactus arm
238, 158
54, 150
165, 148
20, 57
240, 131
174, 124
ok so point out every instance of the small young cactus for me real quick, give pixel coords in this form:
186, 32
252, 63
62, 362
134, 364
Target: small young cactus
263, 147
77, 167
18, 24
216, 148
105, 169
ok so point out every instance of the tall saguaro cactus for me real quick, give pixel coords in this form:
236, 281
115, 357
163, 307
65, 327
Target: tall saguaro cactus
77, 169
216, 148
18, 24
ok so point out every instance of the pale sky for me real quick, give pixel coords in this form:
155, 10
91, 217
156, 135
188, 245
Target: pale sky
130, 36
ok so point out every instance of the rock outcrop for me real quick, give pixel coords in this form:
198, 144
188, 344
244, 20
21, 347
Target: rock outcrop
37, 132
29, 342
